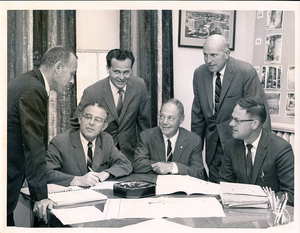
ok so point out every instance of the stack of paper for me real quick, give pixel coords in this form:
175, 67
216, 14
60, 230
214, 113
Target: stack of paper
243, 195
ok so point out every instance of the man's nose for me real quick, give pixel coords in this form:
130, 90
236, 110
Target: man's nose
209, 60
121, 76
92, 121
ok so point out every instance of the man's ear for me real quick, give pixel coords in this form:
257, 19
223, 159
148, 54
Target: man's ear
182, 119
107, 69
58, 67
227, 53
255, 124
79, 119
104, 126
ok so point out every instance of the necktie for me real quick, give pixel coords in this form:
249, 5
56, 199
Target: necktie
120, 101
169, 151
90, 155
217, 92
249, 163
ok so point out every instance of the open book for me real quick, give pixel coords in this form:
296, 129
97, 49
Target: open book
167, 184
72, 196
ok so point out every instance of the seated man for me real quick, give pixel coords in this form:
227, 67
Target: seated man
85, 156
256, 156
169, 149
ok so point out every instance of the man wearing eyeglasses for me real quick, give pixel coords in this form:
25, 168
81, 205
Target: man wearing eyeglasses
86, 156
169, 149
255, 155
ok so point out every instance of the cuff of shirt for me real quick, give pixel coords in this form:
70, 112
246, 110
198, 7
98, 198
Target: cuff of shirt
175, 168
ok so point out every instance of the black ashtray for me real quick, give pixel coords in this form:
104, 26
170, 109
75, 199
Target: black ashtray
134, 189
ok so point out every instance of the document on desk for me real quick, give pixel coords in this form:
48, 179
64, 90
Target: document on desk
163, 207
78, 215
167, 184
104, 185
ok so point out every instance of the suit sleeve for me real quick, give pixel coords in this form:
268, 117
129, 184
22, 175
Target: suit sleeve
226, 171
195, 167
33, 112
144, 114
198, 123
142, 162
285, 173
253, 87
54, 160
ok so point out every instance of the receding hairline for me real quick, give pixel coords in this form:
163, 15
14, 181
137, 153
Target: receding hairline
219, 40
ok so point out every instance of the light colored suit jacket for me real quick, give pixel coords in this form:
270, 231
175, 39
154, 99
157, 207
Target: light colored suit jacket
66, 159
240, 80
187, 152
135, 114
273, 165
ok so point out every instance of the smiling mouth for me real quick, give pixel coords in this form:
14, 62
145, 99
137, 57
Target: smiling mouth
90, 129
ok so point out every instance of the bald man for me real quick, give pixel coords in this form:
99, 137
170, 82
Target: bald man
218, 85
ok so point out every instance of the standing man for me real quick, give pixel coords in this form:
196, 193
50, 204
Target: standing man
218, 85
126, 99
169, 149
27, 126
256, 156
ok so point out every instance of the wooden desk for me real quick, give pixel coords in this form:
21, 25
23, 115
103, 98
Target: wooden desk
235, 218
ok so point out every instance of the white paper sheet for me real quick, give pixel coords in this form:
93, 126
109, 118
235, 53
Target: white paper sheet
78, 215
104, 185
163, 207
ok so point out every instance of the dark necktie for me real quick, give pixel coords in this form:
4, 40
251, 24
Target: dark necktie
90, 155
169, 151
218, 88
249, 163
120, 101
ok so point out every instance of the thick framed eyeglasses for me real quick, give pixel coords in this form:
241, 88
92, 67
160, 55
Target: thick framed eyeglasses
90, 117
169, 118
237, 121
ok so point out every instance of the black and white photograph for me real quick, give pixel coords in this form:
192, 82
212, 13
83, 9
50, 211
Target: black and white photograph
273, 99
271, 77
291, 78
274, 20
290, 105
273, 48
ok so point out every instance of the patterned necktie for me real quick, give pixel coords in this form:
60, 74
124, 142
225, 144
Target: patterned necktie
249, 163
169, 151
120, 101
90, 155
218, 88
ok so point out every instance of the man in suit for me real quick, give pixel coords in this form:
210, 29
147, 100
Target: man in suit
255, 155
88, 155
126, 99
27, 127
218, 85
169, 149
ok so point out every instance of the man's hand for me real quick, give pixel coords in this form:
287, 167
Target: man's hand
103, 176
89, 179
162, 168
40, 208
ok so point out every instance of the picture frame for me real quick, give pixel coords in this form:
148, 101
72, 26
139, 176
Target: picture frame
196, 26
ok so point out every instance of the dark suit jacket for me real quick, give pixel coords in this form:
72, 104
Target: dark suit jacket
273, 164
240, 80
187, 153
135, 113
66, 159
26, 137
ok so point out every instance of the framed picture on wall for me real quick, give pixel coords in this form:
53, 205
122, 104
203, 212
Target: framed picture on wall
196, 26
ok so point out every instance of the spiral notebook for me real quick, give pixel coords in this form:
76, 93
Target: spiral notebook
72, 196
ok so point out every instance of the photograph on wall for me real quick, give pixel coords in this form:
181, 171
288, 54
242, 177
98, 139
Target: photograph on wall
273, 99
291, 78
274, 20
196, 26
271, 77
290, 105
273, 48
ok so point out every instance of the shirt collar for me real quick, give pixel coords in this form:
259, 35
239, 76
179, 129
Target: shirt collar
84, 141
114, 89
172, 139
255, 143
47, 87
222, 71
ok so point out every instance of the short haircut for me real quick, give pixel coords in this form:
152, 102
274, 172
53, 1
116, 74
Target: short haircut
56, 54
97, 105
176, 102
119, 54
254, 107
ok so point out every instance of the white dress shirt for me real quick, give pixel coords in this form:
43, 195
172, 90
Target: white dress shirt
47, 87
254, 148
84, 143
115, 92
173, 144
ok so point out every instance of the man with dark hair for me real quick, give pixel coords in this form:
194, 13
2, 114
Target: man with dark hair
88, 155
255, 155
126, 99
169, 149
218, 85
27, 127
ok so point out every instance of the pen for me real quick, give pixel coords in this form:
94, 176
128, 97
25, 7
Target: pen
91, 170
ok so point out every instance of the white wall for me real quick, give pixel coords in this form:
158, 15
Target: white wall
186, 60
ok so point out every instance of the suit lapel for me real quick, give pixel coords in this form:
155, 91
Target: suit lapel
78, 152
39, 76
209, 89
180, 145
109, 99
226, 81
240, 150
127, 99
98, 154
260, 155
160, 145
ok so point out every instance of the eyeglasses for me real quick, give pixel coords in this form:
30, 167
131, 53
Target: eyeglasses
169, 118
237, 121
90, 117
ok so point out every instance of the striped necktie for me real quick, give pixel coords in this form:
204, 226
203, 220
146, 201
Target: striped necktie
120, 101
218, 88
90, 155
169, 151
249, 163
